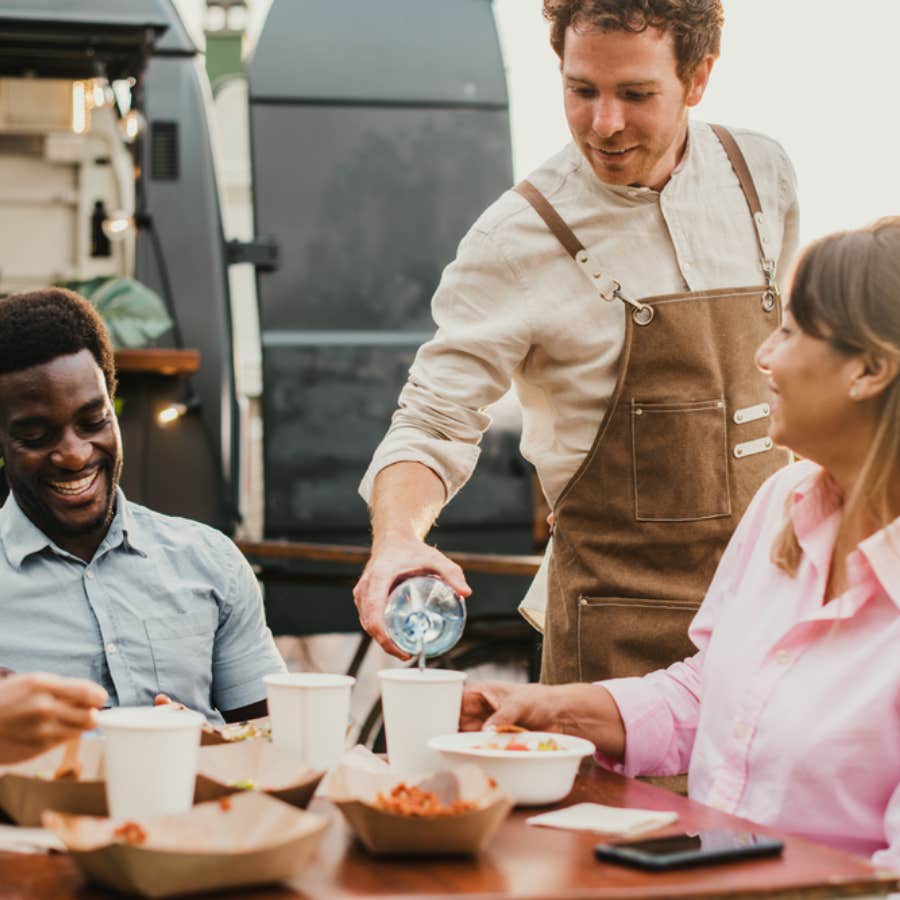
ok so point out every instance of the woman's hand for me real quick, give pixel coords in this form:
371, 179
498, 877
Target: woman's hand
38, 711
585, 710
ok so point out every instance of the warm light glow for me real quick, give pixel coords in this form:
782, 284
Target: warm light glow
79, 107
171, 413
118, 225
98, 93
131, 125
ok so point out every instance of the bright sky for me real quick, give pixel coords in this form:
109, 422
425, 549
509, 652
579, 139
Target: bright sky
820, 77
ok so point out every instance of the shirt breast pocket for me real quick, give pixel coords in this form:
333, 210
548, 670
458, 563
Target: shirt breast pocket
182, 647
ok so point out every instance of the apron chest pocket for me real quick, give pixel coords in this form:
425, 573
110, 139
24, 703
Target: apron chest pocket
680, 460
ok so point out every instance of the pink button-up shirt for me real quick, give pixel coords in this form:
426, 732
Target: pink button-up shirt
789, 713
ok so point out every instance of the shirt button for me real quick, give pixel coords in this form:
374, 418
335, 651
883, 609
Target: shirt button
686, 265
111, 649
741, 730
783, 657
88, 573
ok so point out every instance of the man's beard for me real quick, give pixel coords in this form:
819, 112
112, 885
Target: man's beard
43, 516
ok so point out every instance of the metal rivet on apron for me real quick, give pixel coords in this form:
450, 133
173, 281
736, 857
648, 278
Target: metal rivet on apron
581, 256
748, 448
643, 316
751, 413
768, 301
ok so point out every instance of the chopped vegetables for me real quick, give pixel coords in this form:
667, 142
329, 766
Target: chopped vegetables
519, 744
245, 784
408, 800
131, 833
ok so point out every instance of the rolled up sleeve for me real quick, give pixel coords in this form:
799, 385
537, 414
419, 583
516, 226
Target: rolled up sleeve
244, 648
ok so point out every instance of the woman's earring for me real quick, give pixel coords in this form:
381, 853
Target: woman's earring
854, 393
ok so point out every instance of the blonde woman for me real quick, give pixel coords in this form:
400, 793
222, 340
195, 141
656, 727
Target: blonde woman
789, 712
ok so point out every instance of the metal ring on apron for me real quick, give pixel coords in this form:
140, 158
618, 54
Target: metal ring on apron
642, 313
768, 301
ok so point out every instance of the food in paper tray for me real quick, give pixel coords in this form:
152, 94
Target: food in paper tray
131, 833
411, 800
246, 731
452, 812
243, 784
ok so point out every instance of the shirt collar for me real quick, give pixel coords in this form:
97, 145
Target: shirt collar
882, 552
21, 538
128, 527
816, 508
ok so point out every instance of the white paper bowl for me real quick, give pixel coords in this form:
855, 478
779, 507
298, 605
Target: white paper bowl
529, 777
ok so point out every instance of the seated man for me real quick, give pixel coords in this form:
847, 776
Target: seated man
94, 586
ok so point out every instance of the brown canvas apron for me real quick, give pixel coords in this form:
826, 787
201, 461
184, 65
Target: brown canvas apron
683, 446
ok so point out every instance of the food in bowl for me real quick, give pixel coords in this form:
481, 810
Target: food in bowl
530, 776
519, 745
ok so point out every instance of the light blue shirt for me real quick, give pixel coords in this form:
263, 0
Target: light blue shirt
166, 605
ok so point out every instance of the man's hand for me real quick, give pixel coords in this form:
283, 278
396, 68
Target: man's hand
38, 711
389, 563
406, 498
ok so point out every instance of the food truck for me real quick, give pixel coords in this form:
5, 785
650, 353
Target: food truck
377, 134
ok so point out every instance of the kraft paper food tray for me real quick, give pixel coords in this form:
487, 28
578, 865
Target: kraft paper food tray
253, 840
271, 769
28, 788
354, 787
235, 732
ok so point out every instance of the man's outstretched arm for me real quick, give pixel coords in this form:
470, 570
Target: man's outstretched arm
406, 500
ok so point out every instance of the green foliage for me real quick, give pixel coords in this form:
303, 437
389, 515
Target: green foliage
134, 315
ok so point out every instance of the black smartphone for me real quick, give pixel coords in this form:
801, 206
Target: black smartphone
677, 850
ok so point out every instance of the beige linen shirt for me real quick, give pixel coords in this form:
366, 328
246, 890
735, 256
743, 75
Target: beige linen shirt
514, 309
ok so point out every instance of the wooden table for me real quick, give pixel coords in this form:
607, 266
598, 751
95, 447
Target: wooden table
521, 862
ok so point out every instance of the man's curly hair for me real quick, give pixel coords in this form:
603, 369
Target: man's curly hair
695, 25
38, 326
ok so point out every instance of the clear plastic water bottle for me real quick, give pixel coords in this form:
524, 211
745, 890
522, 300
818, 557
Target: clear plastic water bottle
424, 616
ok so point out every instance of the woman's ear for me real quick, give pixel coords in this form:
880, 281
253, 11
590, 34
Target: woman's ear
878, 373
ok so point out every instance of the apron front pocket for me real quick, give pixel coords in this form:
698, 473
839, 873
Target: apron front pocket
620, 636
680, 460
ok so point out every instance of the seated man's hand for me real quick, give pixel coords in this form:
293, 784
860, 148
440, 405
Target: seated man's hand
388, 564
38, 711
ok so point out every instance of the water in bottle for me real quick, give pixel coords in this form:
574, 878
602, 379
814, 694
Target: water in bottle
424, 616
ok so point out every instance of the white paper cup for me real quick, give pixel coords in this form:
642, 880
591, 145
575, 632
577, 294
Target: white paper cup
418, 705
150, 759
309, 712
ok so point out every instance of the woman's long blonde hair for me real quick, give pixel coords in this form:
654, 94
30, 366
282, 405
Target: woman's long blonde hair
846, 290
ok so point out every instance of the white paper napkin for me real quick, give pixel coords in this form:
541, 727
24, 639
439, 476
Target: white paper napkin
607, 819
29, 840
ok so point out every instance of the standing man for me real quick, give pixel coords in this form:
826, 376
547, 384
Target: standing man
622, 290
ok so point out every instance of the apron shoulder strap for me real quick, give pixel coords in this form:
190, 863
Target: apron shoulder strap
739, 164
742, 171
551, 217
